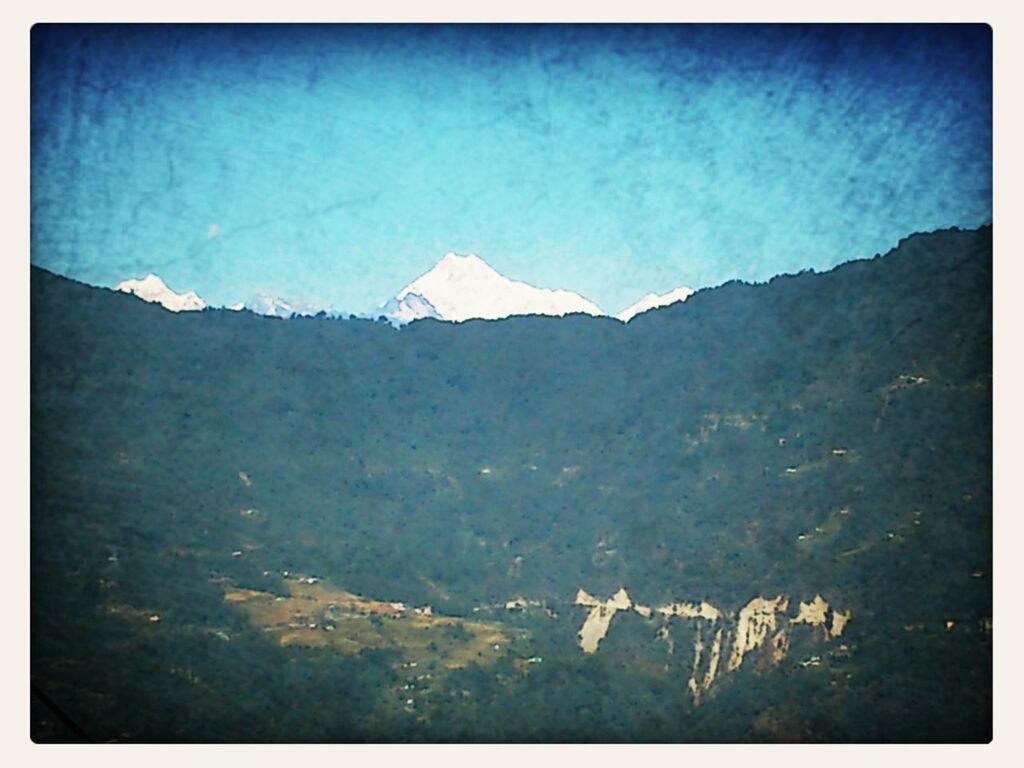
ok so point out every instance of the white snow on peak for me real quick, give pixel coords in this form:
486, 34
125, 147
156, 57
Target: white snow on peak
410, 307
466, 287
653, 300
273, 306
262, 304
151, 288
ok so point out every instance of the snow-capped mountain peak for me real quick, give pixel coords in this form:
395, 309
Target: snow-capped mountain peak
466, 287
151, 288
652, 301
263, 304
462, 265
410, 307
274, 306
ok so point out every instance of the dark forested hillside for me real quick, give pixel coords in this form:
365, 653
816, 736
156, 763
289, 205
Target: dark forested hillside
823, 434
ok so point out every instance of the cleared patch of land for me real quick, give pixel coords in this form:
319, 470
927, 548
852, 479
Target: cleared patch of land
320, 615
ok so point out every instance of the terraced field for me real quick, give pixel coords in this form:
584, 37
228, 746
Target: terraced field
317, 614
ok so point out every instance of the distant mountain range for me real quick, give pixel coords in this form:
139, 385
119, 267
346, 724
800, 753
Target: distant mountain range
456, 289
653, 301
151, 288
273, 306
466, 287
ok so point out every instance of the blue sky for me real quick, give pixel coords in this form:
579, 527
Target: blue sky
336, 164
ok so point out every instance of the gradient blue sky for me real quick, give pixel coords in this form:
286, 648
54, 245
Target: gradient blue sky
336, 164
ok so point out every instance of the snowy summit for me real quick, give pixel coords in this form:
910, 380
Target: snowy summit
151, 288
272, 306
652, 301
466, 287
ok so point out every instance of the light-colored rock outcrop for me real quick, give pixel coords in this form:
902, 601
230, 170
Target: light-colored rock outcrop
519, 604
839, 621
780, 645
596, 625
665, 636
759, 624
814, 614
755, 622
699, 683
698, 650
702, 610
705, 665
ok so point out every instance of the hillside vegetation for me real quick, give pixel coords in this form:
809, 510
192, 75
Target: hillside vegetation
820, 435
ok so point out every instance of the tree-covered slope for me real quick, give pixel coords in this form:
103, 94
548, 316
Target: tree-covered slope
821, 434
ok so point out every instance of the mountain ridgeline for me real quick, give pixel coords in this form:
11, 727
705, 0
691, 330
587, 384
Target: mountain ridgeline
821, 436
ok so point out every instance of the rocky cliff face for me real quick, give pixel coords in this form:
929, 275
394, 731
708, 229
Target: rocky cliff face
760, 624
